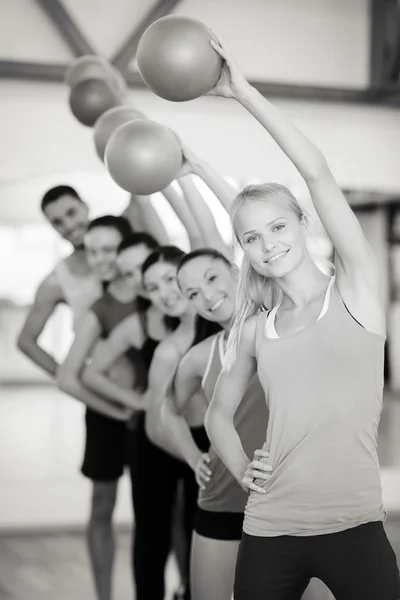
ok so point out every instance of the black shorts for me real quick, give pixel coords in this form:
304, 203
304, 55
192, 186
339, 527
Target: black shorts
107, 448
218, 525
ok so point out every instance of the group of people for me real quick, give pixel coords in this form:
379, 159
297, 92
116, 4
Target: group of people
244, 401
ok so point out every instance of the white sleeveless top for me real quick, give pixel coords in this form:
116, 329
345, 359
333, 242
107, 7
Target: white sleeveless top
79, 291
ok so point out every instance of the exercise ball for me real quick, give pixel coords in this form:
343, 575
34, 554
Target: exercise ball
89, 99
143, 157
176, 60
88, 67
109, 122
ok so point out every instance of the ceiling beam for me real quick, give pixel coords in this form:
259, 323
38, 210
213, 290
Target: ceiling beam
128, 50
389, 96
27, 71
68, 29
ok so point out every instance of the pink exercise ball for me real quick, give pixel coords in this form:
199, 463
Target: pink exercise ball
109, 122
143, 157
176, 60
89, 99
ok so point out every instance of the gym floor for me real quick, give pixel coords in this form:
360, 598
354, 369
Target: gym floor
44, 501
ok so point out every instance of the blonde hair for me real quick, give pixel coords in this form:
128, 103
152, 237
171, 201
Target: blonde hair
255, 291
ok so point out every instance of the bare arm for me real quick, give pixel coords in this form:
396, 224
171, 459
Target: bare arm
161, 374
187, 382
203, 215
182, 211
223, 190
357, 272
68, 375
229, 391
95, 376
150, 219
48, 296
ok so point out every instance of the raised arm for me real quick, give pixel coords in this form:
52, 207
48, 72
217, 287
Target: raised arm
187, 382
228, 393
47, 297
68, 375
203, 215
95, 376
357, 271
223, 190
141, 207
184, 214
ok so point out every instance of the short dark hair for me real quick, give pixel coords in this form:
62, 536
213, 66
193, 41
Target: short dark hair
118, 223
56, 193
168, 254
137, 239
210, 252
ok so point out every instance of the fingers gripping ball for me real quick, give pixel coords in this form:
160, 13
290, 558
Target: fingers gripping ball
176, 60
143, 157
109, 122
89, 99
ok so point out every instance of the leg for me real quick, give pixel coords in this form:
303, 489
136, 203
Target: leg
189, 504
271, 568
154, 482
358, 563
100, 536
213, 564
180, 540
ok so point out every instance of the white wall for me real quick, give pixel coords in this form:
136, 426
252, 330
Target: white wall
323, 42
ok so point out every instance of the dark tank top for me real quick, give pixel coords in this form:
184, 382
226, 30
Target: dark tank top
223, 493
110, 312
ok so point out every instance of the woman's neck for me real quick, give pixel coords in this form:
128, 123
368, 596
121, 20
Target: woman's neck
121, 291
187, 319
302, 285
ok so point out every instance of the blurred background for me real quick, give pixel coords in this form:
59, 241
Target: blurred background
331, 65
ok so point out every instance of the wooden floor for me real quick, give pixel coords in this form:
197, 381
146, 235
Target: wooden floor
55, 567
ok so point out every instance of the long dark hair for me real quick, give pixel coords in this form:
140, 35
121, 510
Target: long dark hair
175, 256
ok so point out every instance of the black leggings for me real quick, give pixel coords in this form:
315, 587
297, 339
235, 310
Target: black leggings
356, 564
155, 476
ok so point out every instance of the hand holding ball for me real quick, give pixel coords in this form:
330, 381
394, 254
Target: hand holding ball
143, 157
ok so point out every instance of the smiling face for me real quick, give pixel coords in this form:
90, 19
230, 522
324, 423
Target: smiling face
130, 262
272, 235
69, 217
101, 244
210, 286
161, 286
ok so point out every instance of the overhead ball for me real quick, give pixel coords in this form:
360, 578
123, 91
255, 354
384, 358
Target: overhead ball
92, 66
86, 67
109, 122
176, 60
91, 98
143, 157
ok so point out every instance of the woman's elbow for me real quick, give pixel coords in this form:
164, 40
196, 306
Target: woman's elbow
64, 380
87, 377
209, 421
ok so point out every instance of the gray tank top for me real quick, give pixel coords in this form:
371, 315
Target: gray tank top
223, 493
79, 291
325, 398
